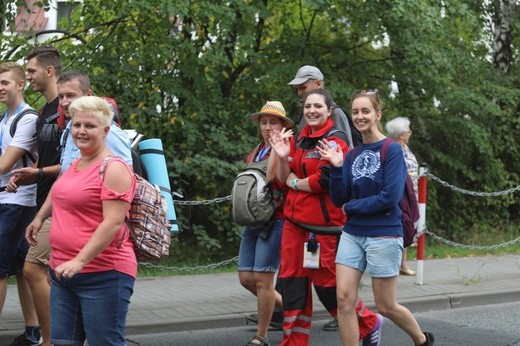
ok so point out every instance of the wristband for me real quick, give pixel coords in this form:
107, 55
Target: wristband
41, 173
294, 184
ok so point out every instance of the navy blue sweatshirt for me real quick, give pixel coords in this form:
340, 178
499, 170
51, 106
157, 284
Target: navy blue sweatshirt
370, 191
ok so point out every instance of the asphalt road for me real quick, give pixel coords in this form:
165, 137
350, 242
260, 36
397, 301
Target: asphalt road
489, 325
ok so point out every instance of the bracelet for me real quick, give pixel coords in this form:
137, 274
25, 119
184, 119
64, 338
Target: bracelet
41, 173
294, 184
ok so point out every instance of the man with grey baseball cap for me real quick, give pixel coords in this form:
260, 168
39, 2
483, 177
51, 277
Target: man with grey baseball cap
305, 73
309, 78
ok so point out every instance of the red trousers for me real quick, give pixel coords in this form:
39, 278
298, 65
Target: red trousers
296, 282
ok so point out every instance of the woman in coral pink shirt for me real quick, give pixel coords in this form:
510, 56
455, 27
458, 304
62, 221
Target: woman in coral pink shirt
93, 264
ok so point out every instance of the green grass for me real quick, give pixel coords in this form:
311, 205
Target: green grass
190, 259
168, 267
435, 249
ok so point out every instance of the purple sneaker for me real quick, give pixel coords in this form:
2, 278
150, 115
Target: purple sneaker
374, 337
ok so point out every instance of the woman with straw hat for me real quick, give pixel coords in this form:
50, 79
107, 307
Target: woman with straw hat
259, 254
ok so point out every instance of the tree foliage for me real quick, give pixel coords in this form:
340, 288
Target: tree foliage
189, 72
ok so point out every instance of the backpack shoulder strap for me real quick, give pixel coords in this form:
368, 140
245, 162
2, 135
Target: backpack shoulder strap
255, 152
12, 131
52, 118
104, 164
14, 124
384, 148
337, 112
338, 133
352, 153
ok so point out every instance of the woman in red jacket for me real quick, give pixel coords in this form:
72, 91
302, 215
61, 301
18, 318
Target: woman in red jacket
313, 225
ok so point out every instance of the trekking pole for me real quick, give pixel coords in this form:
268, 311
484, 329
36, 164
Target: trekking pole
419, 276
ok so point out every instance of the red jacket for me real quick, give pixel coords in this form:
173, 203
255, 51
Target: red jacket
314, 208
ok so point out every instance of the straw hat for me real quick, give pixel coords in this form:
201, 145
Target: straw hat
273, 108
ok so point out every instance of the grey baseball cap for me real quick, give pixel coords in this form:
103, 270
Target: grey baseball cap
305, 73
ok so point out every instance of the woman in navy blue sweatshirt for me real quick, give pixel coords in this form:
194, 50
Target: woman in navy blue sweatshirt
369, 190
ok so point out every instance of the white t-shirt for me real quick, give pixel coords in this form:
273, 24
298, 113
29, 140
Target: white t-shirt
24, 138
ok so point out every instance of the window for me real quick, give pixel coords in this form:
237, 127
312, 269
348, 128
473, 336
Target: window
65, 9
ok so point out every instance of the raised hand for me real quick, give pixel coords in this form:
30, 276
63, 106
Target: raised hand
331, 151
280, 142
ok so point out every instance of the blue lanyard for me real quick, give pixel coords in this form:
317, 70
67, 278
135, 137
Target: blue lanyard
262, 153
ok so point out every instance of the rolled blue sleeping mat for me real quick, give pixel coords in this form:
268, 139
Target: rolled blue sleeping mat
152, 157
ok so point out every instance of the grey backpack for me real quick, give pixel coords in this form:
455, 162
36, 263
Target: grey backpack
252, 196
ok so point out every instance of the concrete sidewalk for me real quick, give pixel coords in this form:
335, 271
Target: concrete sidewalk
217, 300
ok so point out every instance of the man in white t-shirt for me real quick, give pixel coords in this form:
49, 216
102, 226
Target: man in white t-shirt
18, 149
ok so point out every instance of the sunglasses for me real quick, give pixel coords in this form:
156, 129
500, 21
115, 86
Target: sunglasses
365, 93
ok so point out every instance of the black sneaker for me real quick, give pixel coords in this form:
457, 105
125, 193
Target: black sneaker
276, 319
331, 326
253, 318
26, 340
429, 339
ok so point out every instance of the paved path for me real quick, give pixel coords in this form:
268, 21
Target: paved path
217, 300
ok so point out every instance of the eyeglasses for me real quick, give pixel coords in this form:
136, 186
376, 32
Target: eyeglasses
409, 132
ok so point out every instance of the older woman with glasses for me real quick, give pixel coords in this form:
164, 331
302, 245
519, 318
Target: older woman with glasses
399, 130
368, 191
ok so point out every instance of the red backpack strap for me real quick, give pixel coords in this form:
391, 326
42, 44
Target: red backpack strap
353, 154
61, 118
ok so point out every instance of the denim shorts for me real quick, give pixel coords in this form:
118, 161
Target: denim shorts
259, 255
13, 246
92, 306
378, 257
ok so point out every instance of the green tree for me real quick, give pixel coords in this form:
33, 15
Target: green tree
189, 72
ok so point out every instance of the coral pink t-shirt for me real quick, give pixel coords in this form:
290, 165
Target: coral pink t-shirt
77, 211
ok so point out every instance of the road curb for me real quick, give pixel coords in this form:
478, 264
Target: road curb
431, 303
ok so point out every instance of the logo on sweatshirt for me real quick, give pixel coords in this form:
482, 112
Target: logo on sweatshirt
366, 165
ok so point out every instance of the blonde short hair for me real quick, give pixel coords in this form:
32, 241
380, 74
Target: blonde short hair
17, 71
96, 105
